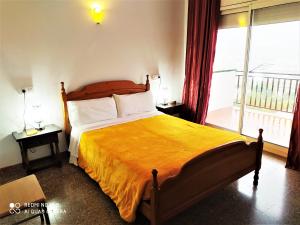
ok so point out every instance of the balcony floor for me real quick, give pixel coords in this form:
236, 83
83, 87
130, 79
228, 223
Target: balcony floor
276, 125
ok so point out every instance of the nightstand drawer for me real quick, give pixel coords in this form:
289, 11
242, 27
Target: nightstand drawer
40, 140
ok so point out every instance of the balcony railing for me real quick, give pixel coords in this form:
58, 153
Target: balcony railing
273, 91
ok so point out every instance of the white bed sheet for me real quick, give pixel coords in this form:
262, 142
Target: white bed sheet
78, 130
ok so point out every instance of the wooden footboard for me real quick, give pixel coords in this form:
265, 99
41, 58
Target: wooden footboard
200, 177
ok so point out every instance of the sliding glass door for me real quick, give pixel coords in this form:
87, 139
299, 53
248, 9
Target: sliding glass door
225, 96
264, 95
273, 77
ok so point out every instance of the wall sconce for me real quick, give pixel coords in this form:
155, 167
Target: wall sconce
97, 13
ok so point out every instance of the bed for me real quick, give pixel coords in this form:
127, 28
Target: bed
162, 196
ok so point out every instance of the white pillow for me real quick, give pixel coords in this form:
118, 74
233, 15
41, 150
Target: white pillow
91, 111
134, 103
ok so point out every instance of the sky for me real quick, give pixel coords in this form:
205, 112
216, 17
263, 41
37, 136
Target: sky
274, 48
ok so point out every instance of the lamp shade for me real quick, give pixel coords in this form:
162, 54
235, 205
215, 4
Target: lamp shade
37, 115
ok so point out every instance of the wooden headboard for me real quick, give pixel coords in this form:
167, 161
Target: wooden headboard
98, 90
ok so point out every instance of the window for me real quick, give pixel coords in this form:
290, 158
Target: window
264, 95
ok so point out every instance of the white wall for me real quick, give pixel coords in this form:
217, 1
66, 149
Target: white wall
45, 42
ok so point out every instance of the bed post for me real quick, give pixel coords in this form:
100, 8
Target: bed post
154, 199
259, 150
66, 114
147, 83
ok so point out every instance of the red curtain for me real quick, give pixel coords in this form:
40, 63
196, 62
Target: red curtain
293, 160
202, 28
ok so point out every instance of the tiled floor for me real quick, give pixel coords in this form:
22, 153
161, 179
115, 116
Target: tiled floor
76, 199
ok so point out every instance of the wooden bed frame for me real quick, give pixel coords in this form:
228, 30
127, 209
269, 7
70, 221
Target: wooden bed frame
198, 178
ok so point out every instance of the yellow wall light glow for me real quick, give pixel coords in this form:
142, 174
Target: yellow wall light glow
97, 13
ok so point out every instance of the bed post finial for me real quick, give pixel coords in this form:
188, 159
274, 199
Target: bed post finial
66, 115
260, 138
259, 151
154, 199
154, 176
63, 87
147, 83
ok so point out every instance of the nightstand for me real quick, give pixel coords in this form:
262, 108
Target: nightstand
48, 136
171, 109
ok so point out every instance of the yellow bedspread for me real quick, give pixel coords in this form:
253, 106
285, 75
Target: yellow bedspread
121, 157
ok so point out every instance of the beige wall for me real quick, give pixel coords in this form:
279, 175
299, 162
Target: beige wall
44, 42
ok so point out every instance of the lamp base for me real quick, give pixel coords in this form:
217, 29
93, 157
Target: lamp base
40, 128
